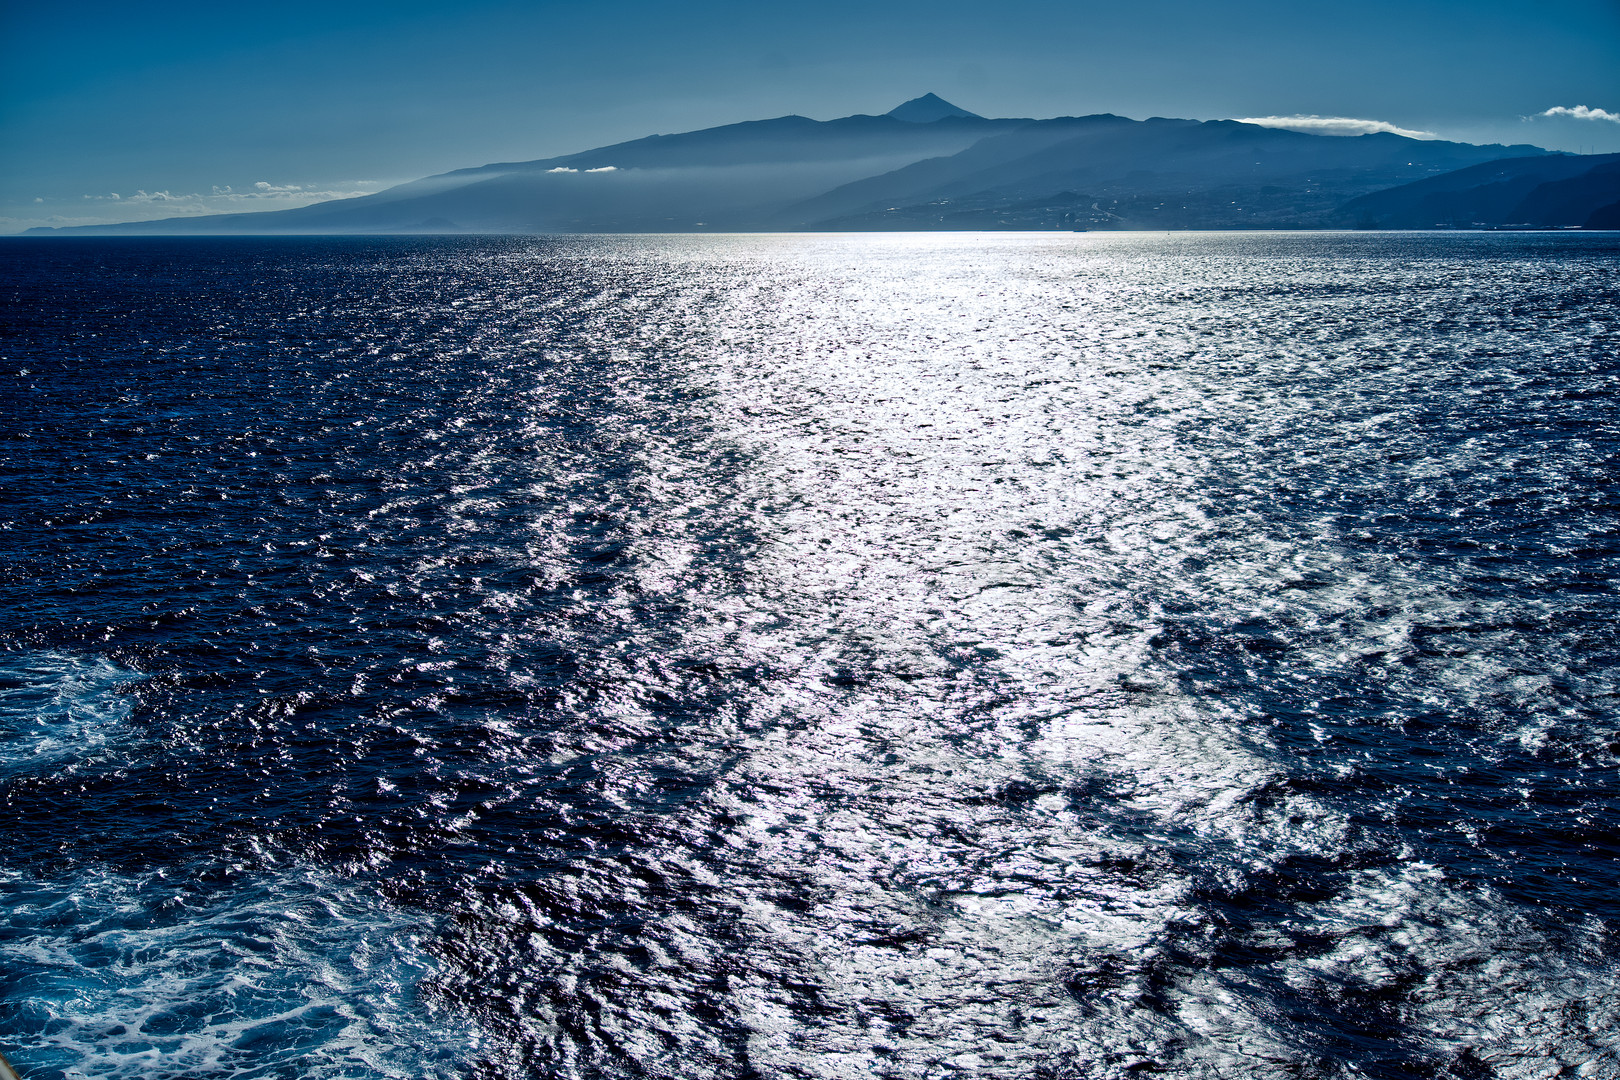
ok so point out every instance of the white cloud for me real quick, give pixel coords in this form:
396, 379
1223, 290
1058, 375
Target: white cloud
1581, 112
562, 168
605, 168
225, 199
112, 207
1334, 125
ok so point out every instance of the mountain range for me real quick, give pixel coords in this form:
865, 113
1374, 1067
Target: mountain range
928, 164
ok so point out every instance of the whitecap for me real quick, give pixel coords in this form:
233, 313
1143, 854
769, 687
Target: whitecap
299, 973
57, 707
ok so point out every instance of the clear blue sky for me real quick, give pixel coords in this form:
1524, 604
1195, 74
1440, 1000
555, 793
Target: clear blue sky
184, 98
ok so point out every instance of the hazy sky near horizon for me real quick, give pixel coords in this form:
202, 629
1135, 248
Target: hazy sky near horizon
186, 107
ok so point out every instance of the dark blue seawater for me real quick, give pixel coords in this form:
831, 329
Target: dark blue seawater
811, 657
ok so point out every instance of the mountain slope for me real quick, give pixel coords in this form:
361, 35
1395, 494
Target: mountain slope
729, 177
1156, 173
1544, 190
929, 108
926, 164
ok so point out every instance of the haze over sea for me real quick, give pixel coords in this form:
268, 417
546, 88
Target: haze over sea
991, 655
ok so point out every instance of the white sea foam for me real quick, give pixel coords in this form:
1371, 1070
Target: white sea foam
57, 707
107, 975
299, 974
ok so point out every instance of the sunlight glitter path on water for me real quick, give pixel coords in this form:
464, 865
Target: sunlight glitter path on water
828, 656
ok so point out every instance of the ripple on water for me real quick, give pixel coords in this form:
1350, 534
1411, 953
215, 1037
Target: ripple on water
822, 656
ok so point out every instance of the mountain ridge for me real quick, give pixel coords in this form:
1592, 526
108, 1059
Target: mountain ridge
926, 164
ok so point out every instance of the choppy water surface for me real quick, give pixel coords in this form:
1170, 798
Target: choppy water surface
996, 656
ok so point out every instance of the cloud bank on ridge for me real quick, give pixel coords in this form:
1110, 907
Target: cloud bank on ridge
1333, 125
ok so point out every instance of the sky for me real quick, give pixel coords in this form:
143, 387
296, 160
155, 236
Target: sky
117, 112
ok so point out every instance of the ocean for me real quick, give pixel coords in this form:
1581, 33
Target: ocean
906, 656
